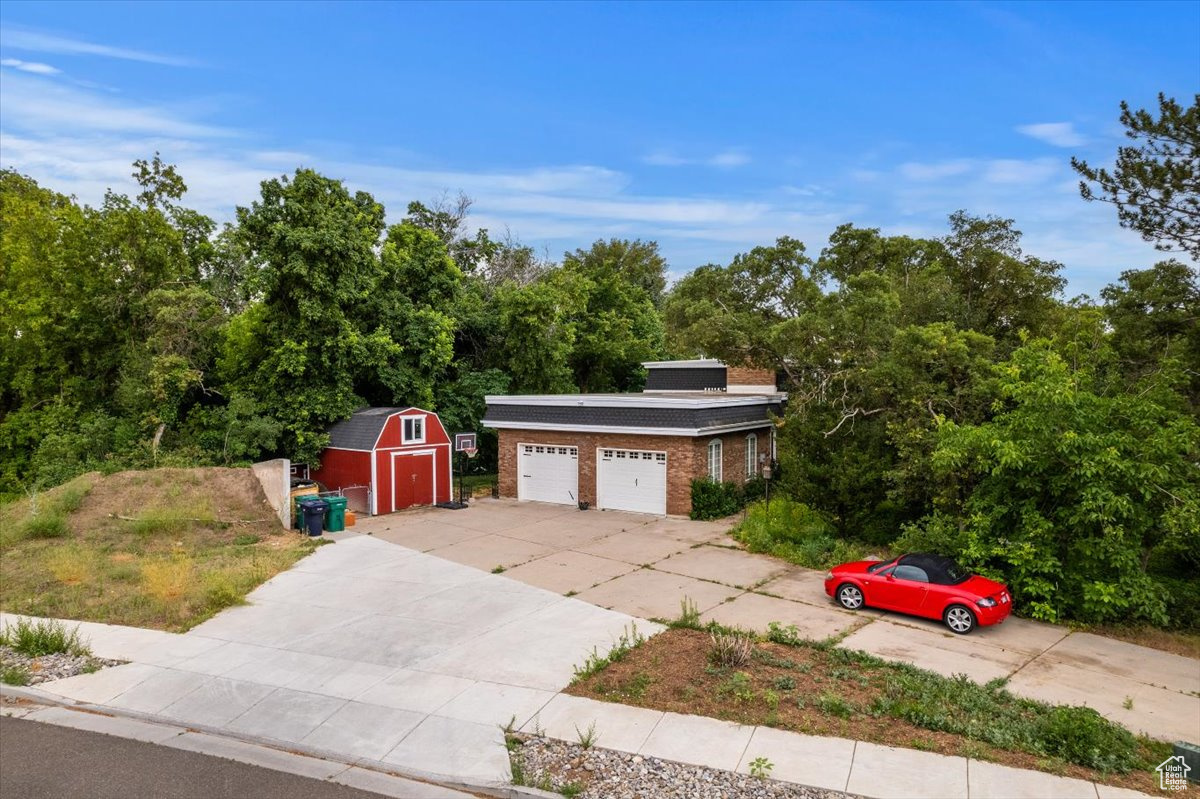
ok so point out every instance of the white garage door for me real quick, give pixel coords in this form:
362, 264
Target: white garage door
630, 479
548, 474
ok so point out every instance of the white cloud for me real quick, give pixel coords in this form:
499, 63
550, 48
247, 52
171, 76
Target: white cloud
34, 41
661, 158
83, 142
935, 171
1060, 134
36, 105
729, 158
29, 66
1008, 170
725, 159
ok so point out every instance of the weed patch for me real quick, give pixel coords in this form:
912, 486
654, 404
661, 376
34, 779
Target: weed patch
821, 689
14, 674
630, 639
43, 637
163, 549
730, 650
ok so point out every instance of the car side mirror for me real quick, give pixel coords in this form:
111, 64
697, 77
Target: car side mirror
891, 578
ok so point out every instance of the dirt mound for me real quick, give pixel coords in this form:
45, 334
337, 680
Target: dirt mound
162, 548
215, 495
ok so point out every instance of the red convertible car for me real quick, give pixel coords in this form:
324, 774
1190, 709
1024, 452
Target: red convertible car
921, 585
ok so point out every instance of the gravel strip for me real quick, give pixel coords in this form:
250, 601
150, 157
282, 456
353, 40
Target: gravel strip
605, 774
52, 667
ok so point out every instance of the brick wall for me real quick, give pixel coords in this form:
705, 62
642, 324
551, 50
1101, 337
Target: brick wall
733, 453
687, 458
743, 376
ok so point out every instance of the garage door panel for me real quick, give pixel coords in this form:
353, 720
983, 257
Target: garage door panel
548, 473
633, 480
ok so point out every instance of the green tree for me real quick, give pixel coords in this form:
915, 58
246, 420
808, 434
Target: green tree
739, 313
1155, 319
301, 349
537, 331
1001, 291
1067, 493
1155, 183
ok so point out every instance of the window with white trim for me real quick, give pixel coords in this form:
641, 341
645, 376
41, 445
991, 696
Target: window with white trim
751, 455
714, 460
413, 430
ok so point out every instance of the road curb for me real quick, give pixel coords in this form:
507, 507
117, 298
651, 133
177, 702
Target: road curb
272, 747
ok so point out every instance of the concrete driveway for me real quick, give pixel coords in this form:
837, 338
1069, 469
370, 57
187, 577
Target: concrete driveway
367, 651
645, 566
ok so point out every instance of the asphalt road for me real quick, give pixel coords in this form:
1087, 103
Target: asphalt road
45, 761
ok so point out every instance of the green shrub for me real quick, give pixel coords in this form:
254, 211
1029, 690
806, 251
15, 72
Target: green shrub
793, 531
12, 674
1081, 735
44, 525
42, 637
1183, 602
715, 500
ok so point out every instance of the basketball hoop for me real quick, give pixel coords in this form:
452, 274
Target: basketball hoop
471, 452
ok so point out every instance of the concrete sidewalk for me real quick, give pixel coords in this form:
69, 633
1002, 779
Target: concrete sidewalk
380, 656
856, 767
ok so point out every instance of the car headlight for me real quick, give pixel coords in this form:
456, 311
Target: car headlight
828, 575
986, 602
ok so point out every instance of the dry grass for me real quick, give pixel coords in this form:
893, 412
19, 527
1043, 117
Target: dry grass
168, 579
164, 549
1176, 642
70, 564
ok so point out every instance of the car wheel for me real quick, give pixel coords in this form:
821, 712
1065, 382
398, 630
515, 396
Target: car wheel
959, 619
850, 597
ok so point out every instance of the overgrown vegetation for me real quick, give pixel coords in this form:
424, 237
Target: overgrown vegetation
795, 532
165, 549
818, 688
43, 637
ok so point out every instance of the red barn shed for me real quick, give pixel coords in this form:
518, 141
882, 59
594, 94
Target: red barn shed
402, 455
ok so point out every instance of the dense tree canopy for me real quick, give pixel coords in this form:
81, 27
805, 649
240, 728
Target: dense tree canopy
941, 393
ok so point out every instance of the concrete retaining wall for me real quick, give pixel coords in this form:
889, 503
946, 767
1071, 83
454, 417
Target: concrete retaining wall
275, 477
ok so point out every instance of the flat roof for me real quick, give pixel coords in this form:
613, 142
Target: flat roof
680, 399
697, 363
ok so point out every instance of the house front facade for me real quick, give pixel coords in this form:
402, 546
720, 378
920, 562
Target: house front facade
637, 452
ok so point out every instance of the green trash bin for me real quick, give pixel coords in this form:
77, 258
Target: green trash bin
335, 518
298, 512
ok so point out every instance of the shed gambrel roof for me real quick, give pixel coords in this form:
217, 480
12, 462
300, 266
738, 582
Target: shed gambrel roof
362, 430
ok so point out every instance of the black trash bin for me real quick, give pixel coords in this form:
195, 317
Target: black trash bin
314, 515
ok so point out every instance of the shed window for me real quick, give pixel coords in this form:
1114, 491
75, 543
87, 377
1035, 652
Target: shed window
751, 455
414, 430
714, 460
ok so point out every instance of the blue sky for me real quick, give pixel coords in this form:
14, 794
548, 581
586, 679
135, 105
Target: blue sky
710, 128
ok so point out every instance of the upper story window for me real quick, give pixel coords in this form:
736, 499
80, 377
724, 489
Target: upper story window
714, 460
413, 430
751, 455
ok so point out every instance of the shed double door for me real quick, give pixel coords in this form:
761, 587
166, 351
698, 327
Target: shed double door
413, 479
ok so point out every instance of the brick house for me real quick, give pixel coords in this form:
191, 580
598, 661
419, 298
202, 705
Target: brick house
638, 452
